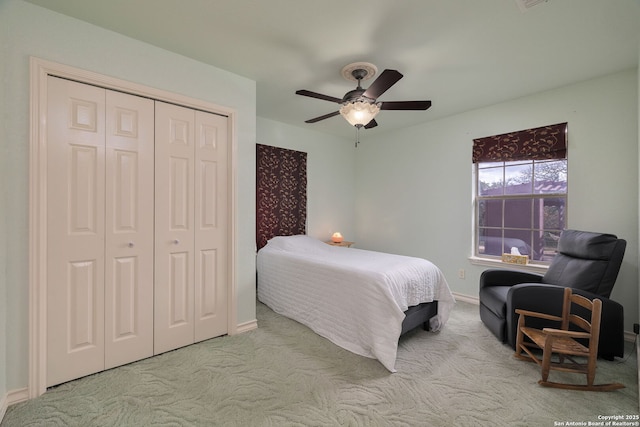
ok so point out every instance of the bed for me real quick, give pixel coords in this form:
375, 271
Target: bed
360, 300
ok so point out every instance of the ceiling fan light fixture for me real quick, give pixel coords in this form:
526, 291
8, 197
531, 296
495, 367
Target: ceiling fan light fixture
359, 112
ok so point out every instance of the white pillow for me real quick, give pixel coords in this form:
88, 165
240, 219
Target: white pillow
298, 243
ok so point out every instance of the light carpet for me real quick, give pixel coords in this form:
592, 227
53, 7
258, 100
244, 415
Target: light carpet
283, 374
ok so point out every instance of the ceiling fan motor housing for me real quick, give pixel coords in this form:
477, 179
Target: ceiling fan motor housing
356, 95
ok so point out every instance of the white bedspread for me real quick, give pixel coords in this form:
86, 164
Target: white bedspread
354, 298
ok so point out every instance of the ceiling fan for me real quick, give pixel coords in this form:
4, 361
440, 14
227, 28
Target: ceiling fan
360, 106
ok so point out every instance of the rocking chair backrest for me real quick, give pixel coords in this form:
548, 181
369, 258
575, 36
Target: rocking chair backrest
592, 326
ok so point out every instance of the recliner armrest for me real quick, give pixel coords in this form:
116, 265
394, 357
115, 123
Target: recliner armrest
541, 298
502, 277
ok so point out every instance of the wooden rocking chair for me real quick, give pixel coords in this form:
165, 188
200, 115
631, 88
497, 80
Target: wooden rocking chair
565, 343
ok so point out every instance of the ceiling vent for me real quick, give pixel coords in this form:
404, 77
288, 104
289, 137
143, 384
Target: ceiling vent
528, 4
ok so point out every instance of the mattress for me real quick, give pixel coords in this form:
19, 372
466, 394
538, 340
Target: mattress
353, 297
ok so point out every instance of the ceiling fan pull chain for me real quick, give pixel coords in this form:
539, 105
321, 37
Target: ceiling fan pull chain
357, 135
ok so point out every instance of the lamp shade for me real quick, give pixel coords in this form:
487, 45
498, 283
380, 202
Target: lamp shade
359, 113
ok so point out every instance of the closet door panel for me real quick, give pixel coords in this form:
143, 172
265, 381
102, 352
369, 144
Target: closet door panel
174, 245
129, 230
75, 224
211, 224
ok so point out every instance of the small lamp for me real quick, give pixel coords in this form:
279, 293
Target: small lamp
337, 237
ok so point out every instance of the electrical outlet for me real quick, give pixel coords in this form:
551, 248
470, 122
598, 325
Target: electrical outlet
636, 328
461, 273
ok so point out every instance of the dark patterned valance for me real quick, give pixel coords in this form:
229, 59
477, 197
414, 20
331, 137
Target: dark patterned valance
281, 193
547, 142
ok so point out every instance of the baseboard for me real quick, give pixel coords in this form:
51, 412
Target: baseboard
11, 398
247, 326
466, 298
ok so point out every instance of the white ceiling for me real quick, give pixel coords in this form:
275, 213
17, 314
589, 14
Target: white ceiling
460, 54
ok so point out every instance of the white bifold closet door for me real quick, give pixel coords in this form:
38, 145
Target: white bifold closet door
100, 222
191, 226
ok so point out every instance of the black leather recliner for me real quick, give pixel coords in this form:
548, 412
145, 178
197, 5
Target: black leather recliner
586, 262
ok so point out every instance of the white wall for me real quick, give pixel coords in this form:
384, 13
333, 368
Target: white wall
3, 227
4, 158
330, 175
414, 187
29, 30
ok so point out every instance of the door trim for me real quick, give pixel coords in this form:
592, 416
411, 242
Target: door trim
39, 71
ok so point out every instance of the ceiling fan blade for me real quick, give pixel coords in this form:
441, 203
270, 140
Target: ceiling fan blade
387, 79
326, 116
405, 105
318, 96
371, 124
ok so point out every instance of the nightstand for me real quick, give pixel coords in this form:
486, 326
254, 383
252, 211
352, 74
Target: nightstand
343, 244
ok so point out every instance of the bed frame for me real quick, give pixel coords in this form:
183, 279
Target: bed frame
419, 315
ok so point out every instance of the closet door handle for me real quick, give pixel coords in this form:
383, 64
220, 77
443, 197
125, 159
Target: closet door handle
131, 244
176, 242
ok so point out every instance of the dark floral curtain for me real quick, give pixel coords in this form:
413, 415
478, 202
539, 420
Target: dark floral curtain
547, 142
281, 193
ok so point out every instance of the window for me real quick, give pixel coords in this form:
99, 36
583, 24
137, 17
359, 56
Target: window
520, 204
521, 193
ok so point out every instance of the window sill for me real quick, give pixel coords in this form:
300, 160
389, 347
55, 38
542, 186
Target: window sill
534, 268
